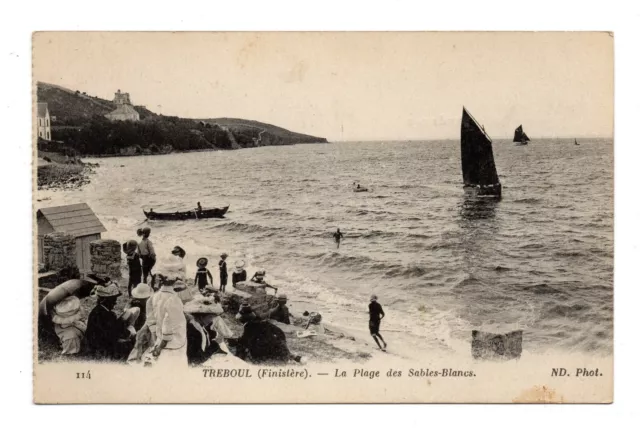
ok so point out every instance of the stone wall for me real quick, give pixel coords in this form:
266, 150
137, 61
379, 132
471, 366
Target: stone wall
60, 252
106, 258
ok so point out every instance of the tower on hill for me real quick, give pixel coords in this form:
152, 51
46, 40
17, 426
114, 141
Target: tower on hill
124, 110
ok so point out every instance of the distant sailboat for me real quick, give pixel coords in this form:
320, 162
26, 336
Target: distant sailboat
519, 137
478, 166
575, 141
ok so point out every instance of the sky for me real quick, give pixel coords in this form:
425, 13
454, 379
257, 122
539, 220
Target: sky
350, 86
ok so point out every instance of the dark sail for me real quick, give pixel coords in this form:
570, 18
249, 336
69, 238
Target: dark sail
517, 136
520, 136
575, 141
478, 166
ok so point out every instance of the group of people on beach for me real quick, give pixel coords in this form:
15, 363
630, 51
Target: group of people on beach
165, 321
141, 258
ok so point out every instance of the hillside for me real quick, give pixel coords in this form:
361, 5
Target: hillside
74, 108
81, 127
239, 125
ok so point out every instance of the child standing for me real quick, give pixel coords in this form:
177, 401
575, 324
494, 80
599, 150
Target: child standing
203, 275
133, 262
147, 253
223, 272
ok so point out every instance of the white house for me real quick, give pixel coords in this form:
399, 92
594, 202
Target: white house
44, 122
124, 110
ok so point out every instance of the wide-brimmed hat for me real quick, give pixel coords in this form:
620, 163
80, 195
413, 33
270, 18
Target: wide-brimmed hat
261, 272
177, 250
202, 305
223, 255
245, 314
282, 296
374, 297
142, 291
67, 311
172, 267
239, 264
202, 262
111, 290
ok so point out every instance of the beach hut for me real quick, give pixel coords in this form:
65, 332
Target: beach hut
77, 220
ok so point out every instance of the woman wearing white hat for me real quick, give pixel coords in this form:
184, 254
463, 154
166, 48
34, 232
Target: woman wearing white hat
67, 324
166, 319
139, 296
239, 273
201, 333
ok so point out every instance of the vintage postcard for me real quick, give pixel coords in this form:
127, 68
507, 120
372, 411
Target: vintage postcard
410, 217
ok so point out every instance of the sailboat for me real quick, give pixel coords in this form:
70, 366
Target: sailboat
575, 141
519, 137
478, 166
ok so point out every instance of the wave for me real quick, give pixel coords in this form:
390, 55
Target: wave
571, 311
542, 289
271, 212
568, 253
527, 201
253, 228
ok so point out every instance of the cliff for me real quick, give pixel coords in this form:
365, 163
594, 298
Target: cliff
80, 124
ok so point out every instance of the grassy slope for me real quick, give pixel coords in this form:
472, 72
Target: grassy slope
74, 108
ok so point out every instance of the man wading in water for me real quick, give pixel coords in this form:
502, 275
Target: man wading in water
338, 236
375, 316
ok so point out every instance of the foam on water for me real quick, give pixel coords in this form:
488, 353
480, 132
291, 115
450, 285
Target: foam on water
539, 260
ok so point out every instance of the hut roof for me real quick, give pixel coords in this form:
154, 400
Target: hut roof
77, 220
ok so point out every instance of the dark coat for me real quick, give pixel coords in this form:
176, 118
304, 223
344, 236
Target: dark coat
262, 341
280, 313
104, 330
195, 354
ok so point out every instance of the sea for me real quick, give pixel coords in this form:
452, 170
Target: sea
442, 264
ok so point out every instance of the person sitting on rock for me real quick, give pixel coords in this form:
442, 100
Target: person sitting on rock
260, 340
280, 312
201, 334
108, 335
68, 326
239, 274
258, 277
139, 296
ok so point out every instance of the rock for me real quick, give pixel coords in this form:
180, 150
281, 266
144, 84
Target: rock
106, 258
59, 253
485, 345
